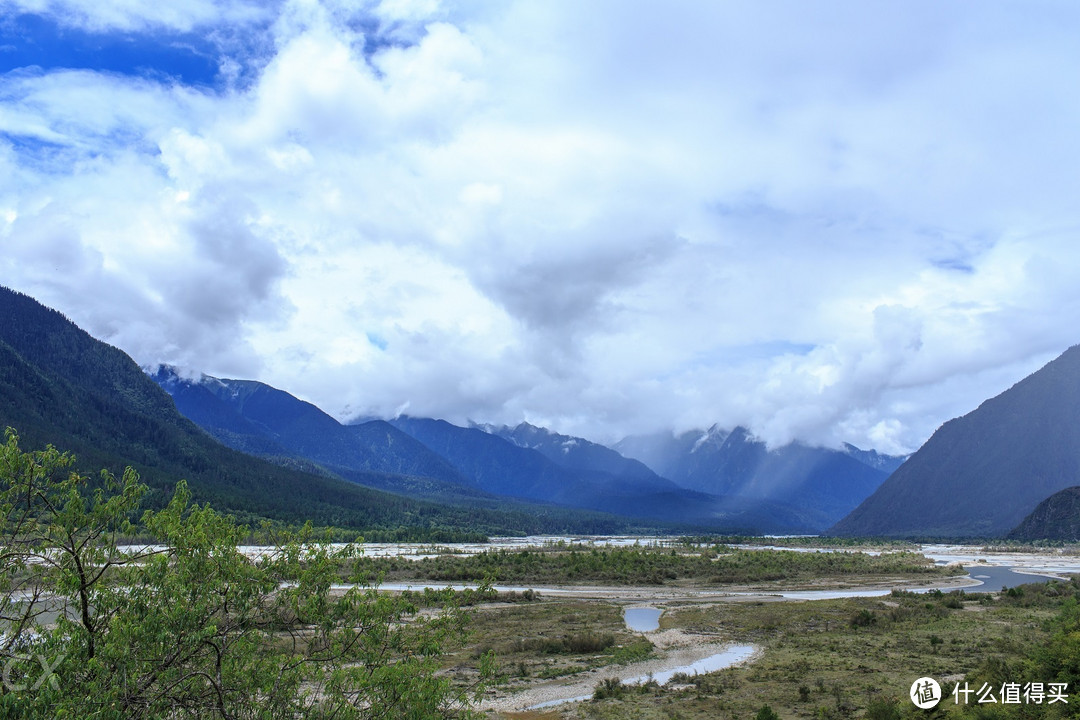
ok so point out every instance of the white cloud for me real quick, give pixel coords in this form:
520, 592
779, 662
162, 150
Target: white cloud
826, 222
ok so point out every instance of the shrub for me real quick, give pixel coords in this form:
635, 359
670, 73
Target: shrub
193, 628
588, 642
882, 709
681, 678
954, 600
609, 687
766, 713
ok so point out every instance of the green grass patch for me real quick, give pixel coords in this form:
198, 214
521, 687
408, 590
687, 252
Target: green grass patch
857, 657
653, 566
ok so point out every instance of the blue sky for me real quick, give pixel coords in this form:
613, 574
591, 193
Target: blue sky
30, 41
829, 222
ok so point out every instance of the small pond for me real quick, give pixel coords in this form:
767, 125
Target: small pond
642, 619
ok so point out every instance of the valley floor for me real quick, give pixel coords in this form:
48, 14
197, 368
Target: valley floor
824, 648
673, 647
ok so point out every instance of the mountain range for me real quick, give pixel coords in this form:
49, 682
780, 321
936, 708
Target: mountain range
1010, 466
259, 452
60, 386
978, 476
793, 490
433, 459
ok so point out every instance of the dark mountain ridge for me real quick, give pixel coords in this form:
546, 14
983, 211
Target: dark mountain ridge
979, 475
261, 420
1055, 518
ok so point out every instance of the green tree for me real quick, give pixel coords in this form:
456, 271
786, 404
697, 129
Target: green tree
766, 713
194, 627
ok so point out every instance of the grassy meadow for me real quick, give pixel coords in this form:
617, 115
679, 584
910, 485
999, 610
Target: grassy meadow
826, 659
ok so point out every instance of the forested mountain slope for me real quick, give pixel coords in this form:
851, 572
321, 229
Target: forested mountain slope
980, 475
60, 386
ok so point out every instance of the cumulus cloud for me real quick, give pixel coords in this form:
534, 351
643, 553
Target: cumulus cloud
825, 222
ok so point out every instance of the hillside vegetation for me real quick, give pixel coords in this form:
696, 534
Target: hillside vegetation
59, 385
